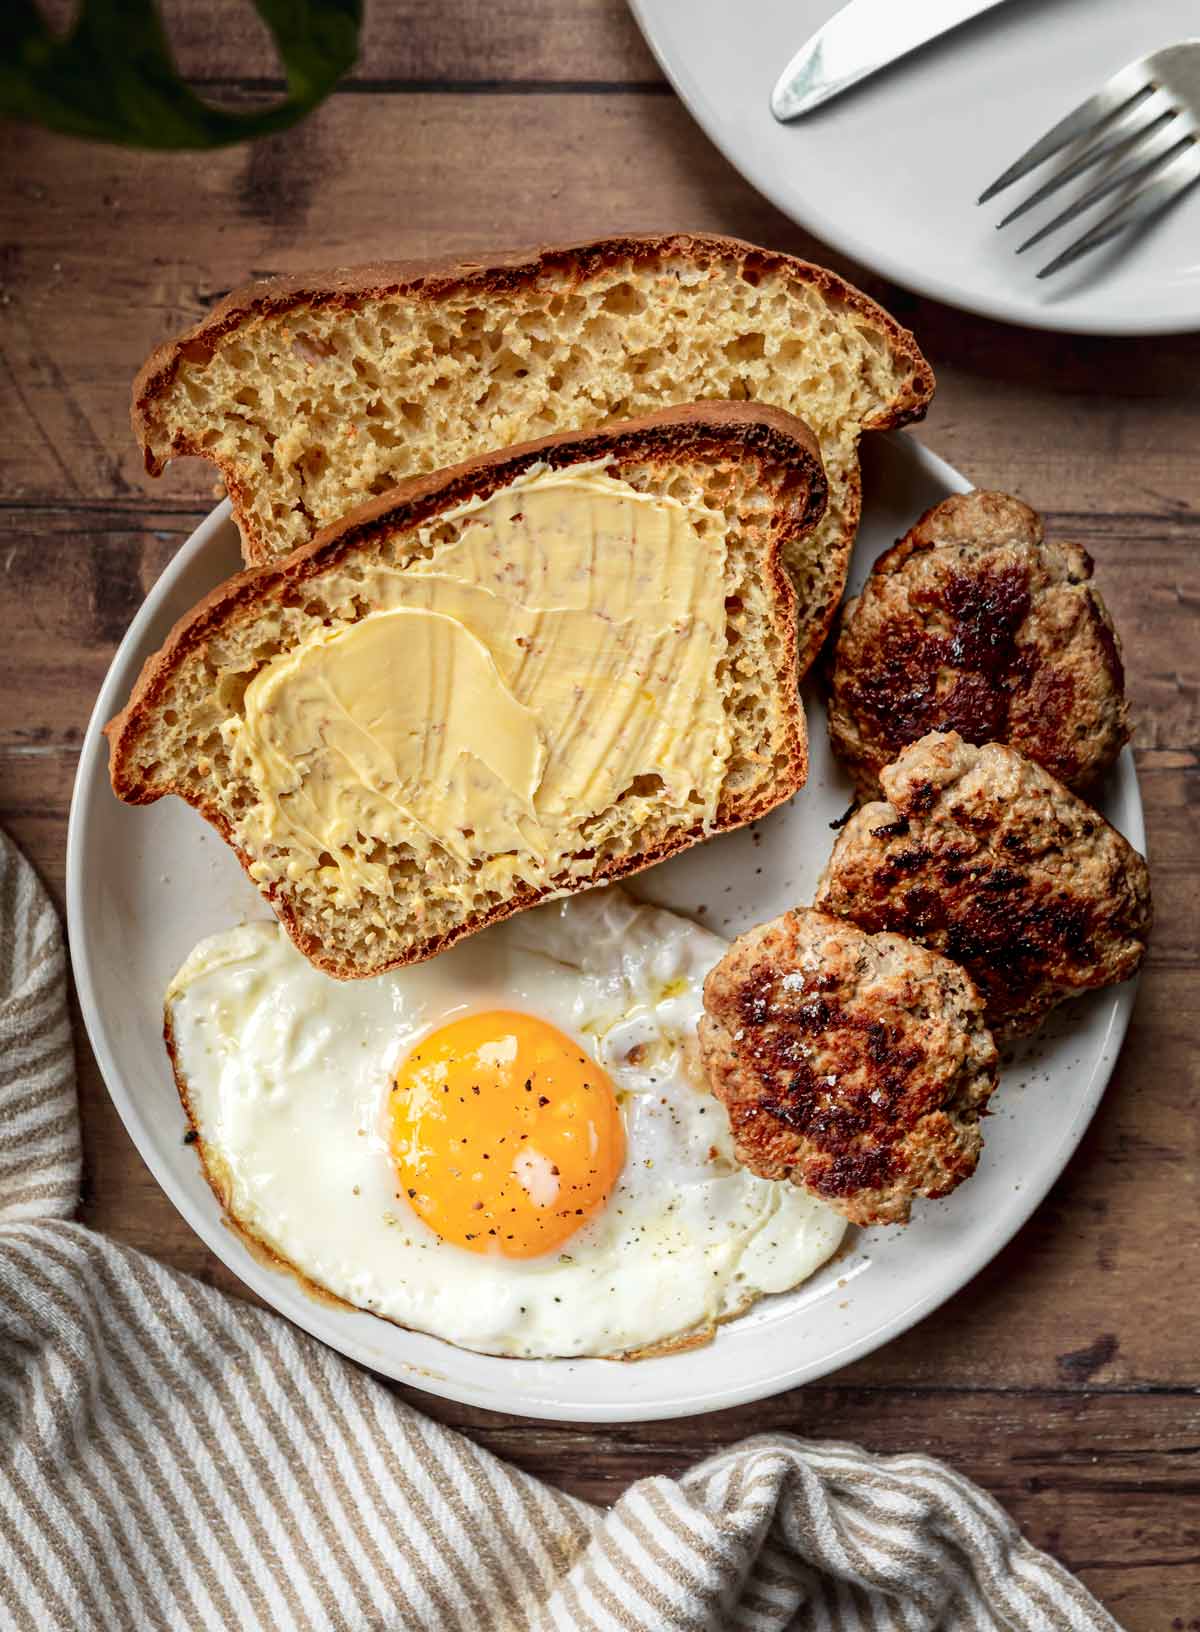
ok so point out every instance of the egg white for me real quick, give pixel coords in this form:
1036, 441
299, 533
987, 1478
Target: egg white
286, 1075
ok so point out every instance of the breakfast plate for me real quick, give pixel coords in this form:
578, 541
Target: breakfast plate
144, 885
889, 172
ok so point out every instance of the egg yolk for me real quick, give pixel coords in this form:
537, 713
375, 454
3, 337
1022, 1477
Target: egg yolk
505, 1136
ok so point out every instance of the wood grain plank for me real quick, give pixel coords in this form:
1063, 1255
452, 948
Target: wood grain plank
460, 42
78, 578
1096, 1440
1080, 425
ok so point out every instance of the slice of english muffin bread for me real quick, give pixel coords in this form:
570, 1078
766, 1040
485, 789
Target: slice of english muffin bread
542, 669
313, 393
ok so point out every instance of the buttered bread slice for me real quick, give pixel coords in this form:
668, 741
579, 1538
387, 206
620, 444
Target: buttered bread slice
545, 668
312, 393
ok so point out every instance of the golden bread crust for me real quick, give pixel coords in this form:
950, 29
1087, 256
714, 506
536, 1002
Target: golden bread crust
498, 271
697, 432
415, 365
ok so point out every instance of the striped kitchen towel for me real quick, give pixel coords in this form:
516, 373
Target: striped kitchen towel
172, 1458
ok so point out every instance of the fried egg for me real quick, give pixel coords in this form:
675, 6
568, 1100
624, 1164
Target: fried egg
512, 1146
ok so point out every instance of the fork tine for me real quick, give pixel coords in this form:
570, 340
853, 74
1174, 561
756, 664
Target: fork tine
1120, 140
1122, 92
1178, 174
1146, 163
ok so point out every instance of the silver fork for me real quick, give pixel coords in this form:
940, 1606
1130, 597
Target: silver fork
1143, 127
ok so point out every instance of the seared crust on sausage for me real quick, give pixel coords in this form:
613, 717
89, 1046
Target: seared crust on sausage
983, 856
975, 623
855, 1065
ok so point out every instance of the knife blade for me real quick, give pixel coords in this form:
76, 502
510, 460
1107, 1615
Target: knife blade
863, 37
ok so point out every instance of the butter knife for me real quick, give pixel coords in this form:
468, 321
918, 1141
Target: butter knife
863, 37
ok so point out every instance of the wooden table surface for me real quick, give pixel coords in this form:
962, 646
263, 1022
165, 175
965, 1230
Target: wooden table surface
1065, 1378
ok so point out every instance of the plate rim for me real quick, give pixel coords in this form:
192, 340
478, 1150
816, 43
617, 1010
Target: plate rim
868, 253
91, 782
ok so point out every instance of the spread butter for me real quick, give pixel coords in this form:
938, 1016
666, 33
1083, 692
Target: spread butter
549, 649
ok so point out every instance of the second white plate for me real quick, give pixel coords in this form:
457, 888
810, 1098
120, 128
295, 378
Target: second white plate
889, 172
144, 885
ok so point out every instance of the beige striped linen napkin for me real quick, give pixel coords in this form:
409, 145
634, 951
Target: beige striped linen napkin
172, 1457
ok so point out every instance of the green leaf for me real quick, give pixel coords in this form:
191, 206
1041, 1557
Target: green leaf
112, 77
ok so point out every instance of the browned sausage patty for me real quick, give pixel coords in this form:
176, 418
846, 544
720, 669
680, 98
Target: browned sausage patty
974, 623
982, 855
855, 1065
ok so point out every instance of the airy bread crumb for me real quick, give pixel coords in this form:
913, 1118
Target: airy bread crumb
313, 394
756, 470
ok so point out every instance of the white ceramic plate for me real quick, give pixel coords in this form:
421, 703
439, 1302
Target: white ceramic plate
144, 885
889, 173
